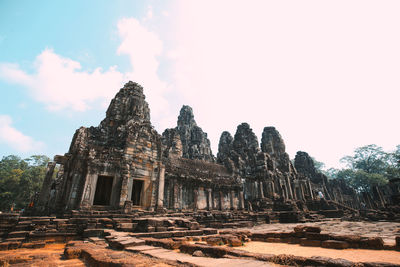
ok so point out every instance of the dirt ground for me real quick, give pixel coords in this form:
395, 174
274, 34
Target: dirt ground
50, 255
355, 255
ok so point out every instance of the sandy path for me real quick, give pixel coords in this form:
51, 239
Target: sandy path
50, 255
355, 255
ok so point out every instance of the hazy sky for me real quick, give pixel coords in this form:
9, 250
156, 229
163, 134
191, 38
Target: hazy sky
326, 74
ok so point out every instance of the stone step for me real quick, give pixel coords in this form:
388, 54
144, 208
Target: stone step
93, 232
15, 239
169, 234
18, 234
33, 245
126, 242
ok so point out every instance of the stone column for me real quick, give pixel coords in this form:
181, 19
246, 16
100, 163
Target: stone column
311, 191
241, 200
196, 197
233, 200
124, 187
176, 192
221, 197
272, 188
302, 197
161, 180
261, 189
209, 199
289, 186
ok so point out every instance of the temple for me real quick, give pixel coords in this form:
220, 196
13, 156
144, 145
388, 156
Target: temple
124, 164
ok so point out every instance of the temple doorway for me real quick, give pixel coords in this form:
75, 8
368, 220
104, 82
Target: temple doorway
102, 195
137, 187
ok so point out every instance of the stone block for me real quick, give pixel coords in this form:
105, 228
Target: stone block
305, 228
150, 229
78, 221
161, 229
33, 245
93, 232
335, 244
165, 243
371, 243
210, 231
3, 246
161, 234
41, 221
72, 253
234, 242
214, 241
310, 243
125, 226
317, 236
14, 245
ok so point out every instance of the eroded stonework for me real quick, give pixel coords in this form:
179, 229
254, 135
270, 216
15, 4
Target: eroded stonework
125, 164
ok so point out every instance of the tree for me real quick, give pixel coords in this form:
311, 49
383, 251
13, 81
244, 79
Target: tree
371, 159
20, 179
361, 180
370, 165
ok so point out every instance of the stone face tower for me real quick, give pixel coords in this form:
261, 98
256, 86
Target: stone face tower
195, 143
118, 161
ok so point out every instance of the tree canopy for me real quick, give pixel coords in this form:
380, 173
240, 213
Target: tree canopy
20, 179
369, 165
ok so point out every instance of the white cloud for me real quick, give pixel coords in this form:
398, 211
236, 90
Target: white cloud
143, 48
149, 14
15, 139
324, 73
61, 84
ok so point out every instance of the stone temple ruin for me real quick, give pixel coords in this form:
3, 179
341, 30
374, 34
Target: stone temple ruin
124, 164
123, 191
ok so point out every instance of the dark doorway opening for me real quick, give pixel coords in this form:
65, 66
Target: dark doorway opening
136, 192
102, 195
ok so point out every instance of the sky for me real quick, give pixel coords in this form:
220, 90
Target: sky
326, 74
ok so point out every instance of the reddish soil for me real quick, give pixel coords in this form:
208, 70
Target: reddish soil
355, 255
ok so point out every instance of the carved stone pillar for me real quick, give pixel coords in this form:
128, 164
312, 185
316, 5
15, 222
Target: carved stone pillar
261, 189
209, 199
196, 197
310, 189
221, 200
232, 200
241, 200
289, 187
161, 180
124, 187
176, 193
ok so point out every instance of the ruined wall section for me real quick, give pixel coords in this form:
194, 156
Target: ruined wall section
335, 191
196, 184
